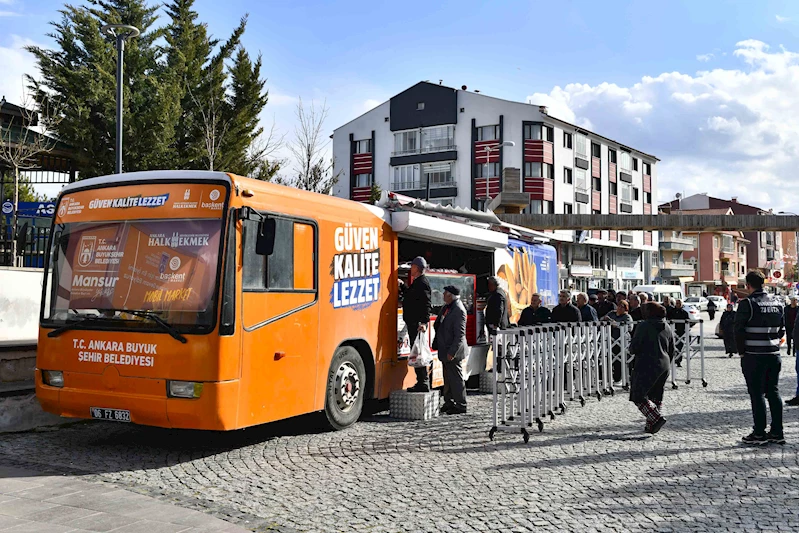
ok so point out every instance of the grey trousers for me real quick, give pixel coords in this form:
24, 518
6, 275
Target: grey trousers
454, 384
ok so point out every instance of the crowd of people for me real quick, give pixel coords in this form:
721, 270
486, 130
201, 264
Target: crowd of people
754, 331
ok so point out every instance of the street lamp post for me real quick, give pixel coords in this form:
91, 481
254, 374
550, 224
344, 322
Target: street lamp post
488, 149
121, 32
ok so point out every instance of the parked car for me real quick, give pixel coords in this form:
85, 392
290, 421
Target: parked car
693, 311
720, 301
699, 301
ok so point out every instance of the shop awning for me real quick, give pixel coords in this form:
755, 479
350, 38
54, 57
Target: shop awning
431, 229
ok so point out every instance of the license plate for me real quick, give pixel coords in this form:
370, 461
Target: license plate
117, 415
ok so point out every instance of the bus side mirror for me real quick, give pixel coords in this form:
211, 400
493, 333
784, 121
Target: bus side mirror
265, 242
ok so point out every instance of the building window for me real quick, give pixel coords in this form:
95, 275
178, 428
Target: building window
539, 207
488, 133
628, 259
538, 170
580, 180
648, 197
493, 170
406, 178
439, 174
715, 242
648, 169
614, 188
596, 184
438, 139
612, 156
567, 209
727, 244
596, 150
567, 175
635, 193
694, 240
480, 205
420, 106
363, 147
582, 209
538, 132
363, 180
581, 146
626, 192
567, 140
406, 142
625, 161
716, 266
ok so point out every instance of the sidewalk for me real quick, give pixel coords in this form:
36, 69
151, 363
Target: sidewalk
58, 504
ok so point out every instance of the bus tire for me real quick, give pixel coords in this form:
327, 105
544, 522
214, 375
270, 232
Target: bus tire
346, 387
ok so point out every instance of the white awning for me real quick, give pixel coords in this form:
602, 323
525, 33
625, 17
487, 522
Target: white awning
431, 229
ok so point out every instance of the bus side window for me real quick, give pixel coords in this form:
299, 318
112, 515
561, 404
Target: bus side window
304, 264
291, 266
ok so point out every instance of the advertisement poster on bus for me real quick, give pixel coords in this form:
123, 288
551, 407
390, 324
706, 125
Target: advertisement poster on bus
525, 269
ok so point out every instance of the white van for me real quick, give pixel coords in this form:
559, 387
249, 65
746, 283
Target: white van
659, 291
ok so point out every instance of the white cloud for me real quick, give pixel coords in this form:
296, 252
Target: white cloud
704, 58
370, 104
782, 19
730, 132
16, 63
277, 99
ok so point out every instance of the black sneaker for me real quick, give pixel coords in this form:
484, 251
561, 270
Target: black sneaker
793, 402
657, 425
446, 407
754, 438
775, 438
457, 410
419, 388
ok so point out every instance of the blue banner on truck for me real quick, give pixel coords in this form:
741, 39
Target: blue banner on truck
525, 269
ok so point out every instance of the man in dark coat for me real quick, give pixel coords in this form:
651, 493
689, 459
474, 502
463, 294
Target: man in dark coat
680, 315
635, 307
416, 306
587, 313
451, 344
496, 311
536, 313
793, 402
603, 305
565, 311
653, 347
791, 312
727, 330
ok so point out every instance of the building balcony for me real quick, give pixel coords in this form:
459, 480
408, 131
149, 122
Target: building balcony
677, 245
426, 150
727, 273
677, 270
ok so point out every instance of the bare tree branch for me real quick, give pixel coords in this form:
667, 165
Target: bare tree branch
21, 145
214, 126
313, 173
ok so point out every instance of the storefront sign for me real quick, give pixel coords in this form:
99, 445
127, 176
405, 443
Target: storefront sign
581, 270
631, 274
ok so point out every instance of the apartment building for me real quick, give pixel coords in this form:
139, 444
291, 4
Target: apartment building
674, 266
764, 248
461, 148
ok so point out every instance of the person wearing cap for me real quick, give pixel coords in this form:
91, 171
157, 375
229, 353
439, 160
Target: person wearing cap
791, 313
603, 304
416, 306
593, 301
496, 311
450, 341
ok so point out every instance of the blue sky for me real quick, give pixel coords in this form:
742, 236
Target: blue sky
611, 66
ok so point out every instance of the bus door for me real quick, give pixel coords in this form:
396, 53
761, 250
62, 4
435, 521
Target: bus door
280, 318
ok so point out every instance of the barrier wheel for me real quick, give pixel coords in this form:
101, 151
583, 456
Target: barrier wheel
688, 382
540, 425
598, 396
582, 401
626, 387
491, 433
525, 436
704, 383
612, 391
674, 386
563, 408
551, 415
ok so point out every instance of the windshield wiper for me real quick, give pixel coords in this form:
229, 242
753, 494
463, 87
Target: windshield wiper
166, 326
82, 323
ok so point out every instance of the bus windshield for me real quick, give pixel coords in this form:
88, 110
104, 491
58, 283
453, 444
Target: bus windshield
135, 256
165, 266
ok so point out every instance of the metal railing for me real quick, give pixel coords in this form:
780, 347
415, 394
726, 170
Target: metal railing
31, 245
426, 150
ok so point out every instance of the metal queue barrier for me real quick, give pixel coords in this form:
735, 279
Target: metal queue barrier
537, 368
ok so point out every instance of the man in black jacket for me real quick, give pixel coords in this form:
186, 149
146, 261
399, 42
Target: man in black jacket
535, 314
603, 305
635, 307
565, 311
496, 311
759, 327
679, 314
587, 313
791, 313
416, 306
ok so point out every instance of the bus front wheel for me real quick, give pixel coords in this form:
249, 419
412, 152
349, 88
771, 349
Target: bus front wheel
346, 385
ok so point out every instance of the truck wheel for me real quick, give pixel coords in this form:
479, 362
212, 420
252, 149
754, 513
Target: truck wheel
346, 384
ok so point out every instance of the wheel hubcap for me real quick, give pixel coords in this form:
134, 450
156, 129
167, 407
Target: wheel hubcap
348, 386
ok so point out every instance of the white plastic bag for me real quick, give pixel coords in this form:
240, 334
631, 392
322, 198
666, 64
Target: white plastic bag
421, 355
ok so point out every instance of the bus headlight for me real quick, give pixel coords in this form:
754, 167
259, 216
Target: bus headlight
184, 389
54, 378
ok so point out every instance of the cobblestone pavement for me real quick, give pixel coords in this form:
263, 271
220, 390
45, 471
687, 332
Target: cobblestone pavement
592, 469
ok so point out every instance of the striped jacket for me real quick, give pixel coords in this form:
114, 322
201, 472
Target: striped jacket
759, 325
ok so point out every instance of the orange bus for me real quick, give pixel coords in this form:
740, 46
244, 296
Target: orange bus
204, 300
